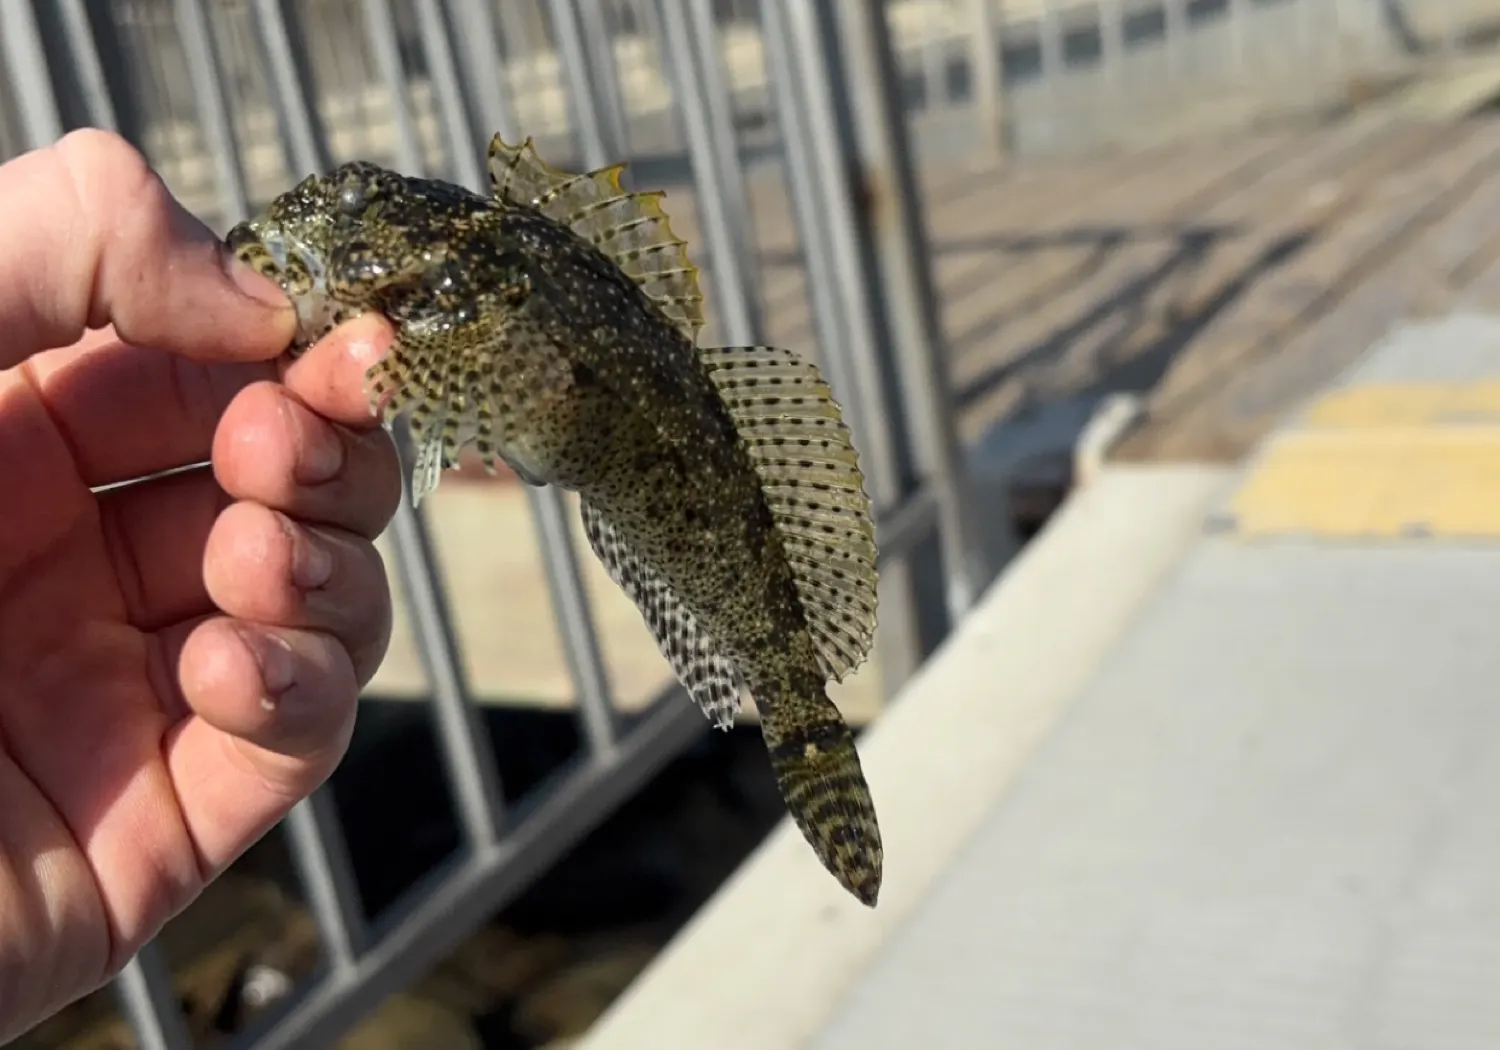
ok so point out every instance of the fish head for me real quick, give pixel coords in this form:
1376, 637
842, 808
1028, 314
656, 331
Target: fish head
291, 242
362, 238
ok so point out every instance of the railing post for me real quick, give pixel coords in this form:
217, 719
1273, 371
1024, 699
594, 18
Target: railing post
291, 87
599, 141
468, 759
560, 562
986, 77
897, 228
21, 43
1174, 33
204, 67
82, 89
690, 45
149, 1003
866, 268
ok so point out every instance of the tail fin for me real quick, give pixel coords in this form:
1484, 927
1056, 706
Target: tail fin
818, 772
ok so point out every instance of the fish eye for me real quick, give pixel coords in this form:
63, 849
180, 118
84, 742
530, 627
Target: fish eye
353, 199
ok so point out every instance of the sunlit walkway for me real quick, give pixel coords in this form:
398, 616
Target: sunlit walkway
1230, 787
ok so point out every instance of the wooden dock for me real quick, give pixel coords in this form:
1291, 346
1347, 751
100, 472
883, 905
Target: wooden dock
1222, 279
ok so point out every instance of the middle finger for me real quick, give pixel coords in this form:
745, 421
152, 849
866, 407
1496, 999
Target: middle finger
260, 565
272, 449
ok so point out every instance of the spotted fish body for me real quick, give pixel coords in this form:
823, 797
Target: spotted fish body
554, 325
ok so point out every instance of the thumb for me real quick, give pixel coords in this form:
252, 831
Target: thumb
90, 236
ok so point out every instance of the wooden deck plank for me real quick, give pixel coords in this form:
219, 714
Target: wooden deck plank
1331, 182
957, 205
1348, 249
1125, 329
1425, 278
1480, 290
1038, 313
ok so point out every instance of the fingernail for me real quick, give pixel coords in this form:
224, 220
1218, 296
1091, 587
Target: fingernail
272, 653
256, 285
312, 561
320, 454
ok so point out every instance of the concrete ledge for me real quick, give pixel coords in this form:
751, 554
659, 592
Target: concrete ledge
766, 963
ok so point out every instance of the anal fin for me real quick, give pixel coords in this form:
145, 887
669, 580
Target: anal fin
709, 678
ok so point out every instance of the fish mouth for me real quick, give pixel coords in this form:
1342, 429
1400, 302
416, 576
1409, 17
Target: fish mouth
248, 243
268, 247
295, 266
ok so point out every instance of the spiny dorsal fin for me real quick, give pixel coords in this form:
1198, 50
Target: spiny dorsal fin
631, 228
709, 678
809, 472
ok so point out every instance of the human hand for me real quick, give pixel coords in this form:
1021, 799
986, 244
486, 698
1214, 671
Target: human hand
180, 658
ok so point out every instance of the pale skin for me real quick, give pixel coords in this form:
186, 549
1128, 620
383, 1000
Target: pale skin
179, 659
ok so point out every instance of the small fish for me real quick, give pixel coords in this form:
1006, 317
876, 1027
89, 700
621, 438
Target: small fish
554, 325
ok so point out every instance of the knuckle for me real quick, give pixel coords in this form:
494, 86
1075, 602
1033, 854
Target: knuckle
116, 174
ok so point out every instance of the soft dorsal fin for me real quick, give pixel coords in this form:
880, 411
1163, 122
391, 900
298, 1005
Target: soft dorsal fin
809, 472
709, 678
631, 228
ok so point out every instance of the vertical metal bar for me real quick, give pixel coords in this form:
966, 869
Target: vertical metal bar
817, 172
1112, 45
903, 255
599, 41
144, 990
321, 855
817, 166
21, 43
84, 54
448, 89
380, 31
716, 93
1238, 13
591, 131
1306, 26
559, 556
934, 73
1449, 43
1174, 32
484, 71
292, 94
818, 253
490, 107
693, 59
202, 56
1050, 61
575, 623
986, 78
319, 850
468, 759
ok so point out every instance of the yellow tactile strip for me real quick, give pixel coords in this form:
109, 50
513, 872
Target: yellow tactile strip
1381, 461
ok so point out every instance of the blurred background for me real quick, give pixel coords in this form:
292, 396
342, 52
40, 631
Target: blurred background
1034, 244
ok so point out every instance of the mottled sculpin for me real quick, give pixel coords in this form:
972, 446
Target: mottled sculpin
554, 325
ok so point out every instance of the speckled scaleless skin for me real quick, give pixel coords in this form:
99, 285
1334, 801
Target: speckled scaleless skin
554, 324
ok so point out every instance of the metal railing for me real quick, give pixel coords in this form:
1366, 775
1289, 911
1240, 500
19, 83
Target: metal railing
1051, 72
235, 100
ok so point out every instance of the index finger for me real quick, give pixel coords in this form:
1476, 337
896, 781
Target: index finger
89, 236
